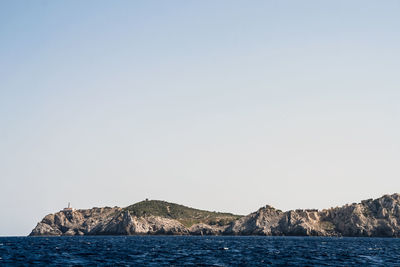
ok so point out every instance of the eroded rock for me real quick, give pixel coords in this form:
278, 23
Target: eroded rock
379, 217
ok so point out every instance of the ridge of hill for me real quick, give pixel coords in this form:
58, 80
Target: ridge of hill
185, 215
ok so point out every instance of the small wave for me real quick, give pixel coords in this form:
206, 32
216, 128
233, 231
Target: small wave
371, 258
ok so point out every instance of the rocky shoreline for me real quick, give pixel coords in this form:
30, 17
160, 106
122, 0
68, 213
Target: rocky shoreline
370, 218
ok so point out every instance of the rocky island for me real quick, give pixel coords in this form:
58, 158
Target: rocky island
371, 218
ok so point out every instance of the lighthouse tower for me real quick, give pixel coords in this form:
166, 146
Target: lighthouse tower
69, 208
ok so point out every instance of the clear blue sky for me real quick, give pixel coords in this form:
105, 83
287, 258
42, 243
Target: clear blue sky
219, 105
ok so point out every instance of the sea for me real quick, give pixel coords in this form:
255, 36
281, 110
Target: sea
198, 251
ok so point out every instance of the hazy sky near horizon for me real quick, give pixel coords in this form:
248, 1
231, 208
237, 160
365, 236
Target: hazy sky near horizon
218, 105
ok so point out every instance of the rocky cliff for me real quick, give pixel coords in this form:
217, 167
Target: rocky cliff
144, 218
379, 217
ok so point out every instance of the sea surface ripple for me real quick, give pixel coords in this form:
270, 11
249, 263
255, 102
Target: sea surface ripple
199, 251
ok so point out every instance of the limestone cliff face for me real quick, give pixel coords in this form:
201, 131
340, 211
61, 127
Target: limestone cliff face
106, 221
262, 222
379, 217
75, 222
269, 221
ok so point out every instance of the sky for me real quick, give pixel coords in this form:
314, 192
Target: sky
217, 105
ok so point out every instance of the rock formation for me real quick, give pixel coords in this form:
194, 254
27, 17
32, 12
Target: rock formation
143, 218
378, 218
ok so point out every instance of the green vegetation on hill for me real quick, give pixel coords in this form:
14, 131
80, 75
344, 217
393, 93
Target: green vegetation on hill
187, 216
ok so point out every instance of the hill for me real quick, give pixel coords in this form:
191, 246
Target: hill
185, 215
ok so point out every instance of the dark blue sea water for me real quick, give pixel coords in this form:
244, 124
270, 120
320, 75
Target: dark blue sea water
203, 251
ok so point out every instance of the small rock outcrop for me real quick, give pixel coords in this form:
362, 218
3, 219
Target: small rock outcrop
261, 222
205, 229
370, 218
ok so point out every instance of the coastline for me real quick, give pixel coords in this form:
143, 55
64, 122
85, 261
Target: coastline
370, 218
